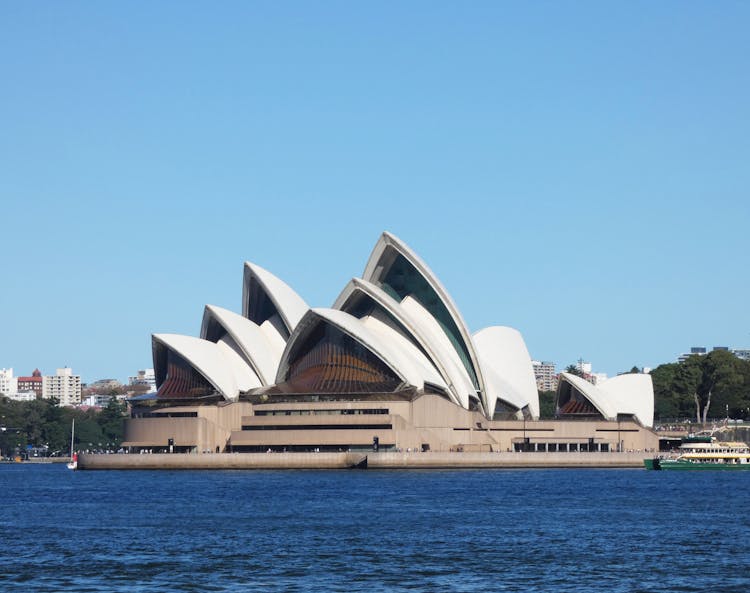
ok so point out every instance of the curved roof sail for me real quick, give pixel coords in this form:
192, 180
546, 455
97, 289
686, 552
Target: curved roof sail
400, 272
259, 352
456, 374
631, 394
503, 350
510, 398
634, 394
576, 396
331, 351
361, 298
267, 298
187, 367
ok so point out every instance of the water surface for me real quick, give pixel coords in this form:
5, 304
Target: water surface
487, 530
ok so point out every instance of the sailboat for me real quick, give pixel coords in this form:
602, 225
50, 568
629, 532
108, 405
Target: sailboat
73, 463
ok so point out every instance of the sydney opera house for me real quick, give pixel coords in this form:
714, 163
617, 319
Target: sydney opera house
390, 365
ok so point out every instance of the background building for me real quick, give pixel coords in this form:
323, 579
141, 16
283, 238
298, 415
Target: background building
97, 400
104, 385
742, 353
8, 385
144, 377
63, 386
33, 383
545, 375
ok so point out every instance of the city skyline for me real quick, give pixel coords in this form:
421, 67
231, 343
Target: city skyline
575, 172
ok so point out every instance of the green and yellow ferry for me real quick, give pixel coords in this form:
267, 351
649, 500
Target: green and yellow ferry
704, 452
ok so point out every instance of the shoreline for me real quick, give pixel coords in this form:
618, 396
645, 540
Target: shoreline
360, 460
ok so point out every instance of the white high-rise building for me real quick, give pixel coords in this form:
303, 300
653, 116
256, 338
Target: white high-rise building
64, 386
8, 385
145, 377
744, 353
544, 373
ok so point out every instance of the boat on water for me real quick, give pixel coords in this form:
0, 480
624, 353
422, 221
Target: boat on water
73, 463
704, 452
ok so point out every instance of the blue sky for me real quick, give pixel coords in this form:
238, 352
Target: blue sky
576, 170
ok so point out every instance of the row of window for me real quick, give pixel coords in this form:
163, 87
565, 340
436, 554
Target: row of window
363, 411
318, 427
561, 447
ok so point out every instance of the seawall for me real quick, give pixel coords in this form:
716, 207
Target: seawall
221, 461
372, 460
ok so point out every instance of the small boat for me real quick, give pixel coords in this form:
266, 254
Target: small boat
73, 463
704, 452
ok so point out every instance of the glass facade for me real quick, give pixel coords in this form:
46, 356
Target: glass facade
260, 307
402, 279
329, 361
214, 330
571, 402
362, 305
504, 411
182, 381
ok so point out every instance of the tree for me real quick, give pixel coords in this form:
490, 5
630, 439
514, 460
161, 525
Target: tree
666, 399
718, 381
42, 422
720, 377
686, 383
574, 370
110, 420
546, 404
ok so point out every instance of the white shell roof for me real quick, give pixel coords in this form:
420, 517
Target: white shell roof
260, 352
403, 333
222, 368
272, 330
390, 356
455, 373
496, 384
451, 375
374, 270
503, 350
599, 400
405, 349
634, 394
624, 394
288, 303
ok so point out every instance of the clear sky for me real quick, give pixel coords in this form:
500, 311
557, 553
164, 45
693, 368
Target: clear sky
576, 170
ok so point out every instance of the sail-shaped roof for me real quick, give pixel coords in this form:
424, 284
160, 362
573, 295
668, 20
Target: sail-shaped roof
631, 394
261, 353
187, 365
634, 394
267, 298
503, 350
360, 298
338, 345
400, 272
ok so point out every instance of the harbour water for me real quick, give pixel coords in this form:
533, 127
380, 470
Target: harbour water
486, 530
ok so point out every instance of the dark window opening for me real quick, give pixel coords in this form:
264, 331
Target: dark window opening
402, 279
330, 361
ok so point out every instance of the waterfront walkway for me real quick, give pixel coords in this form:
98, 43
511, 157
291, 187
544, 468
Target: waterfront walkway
372, 460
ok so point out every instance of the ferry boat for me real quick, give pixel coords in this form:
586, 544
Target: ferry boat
704, 452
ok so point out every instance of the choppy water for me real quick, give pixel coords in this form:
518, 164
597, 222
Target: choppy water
542, 530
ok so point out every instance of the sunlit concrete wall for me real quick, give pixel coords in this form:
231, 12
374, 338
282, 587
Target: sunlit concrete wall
429, 421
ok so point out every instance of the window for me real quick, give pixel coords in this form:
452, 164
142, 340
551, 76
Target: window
402, 279
330, 361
